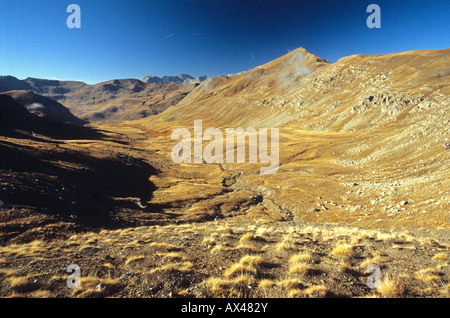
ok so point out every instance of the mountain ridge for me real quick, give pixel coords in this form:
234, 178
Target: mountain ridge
183, 79
300, 84
117, 99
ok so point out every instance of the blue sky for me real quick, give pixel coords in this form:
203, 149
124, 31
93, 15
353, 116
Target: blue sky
132, 39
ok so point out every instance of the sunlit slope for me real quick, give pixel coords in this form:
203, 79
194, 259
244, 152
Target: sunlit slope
124, 99
362, 141
355, 92
247, 98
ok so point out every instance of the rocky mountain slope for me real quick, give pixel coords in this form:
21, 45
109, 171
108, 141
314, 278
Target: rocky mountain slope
358, 138
355, 92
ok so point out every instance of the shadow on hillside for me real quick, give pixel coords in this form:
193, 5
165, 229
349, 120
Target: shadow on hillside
17, 122
74, 186
60, 132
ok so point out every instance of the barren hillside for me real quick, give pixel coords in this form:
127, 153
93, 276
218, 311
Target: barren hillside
357, 137
363, 179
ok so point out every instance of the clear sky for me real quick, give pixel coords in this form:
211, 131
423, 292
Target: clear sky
135, 38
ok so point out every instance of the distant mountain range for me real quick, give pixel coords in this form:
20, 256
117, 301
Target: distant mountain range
183, 79
120, 99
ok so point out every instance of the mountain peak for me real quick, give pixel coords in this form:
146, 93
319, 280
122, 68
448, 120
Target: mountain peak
299, 55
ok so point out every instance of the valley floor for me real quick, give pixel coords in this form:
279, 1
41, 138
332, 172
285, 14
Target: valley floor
138, 225
231, 259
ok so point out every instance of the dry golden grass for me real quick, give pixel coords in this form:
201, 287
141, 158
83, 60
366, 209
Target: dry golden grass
108, 265
428, 275
22, 284
183, 267
440, 267
32, 249
125, 232
381, 237
299, 268
297, 265
230, 288
327, 238
266, 283
91, 241
183, 293
377, 260
87, 282
440, 257
357, 239
244, 279
16, 295
166, 246
219, 285
67, 251
41, 294
344, 267
342, 241
246, 238
247, 247
104, 232
252, 260
132, 259
36, 244
58, 278
312, 291
220, 247
88, 247
261, 231
295, 292
292, 283
390, 288
8, 271
227, 229
405, 236
301, 257
173, 256
227, 236
73, 244
240, 269
286, 246
404, 247
92, 286
89, 293
247, 265
42, 259
316, 291
17, 282
343, 250
430, 241
209, 241
145, 237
